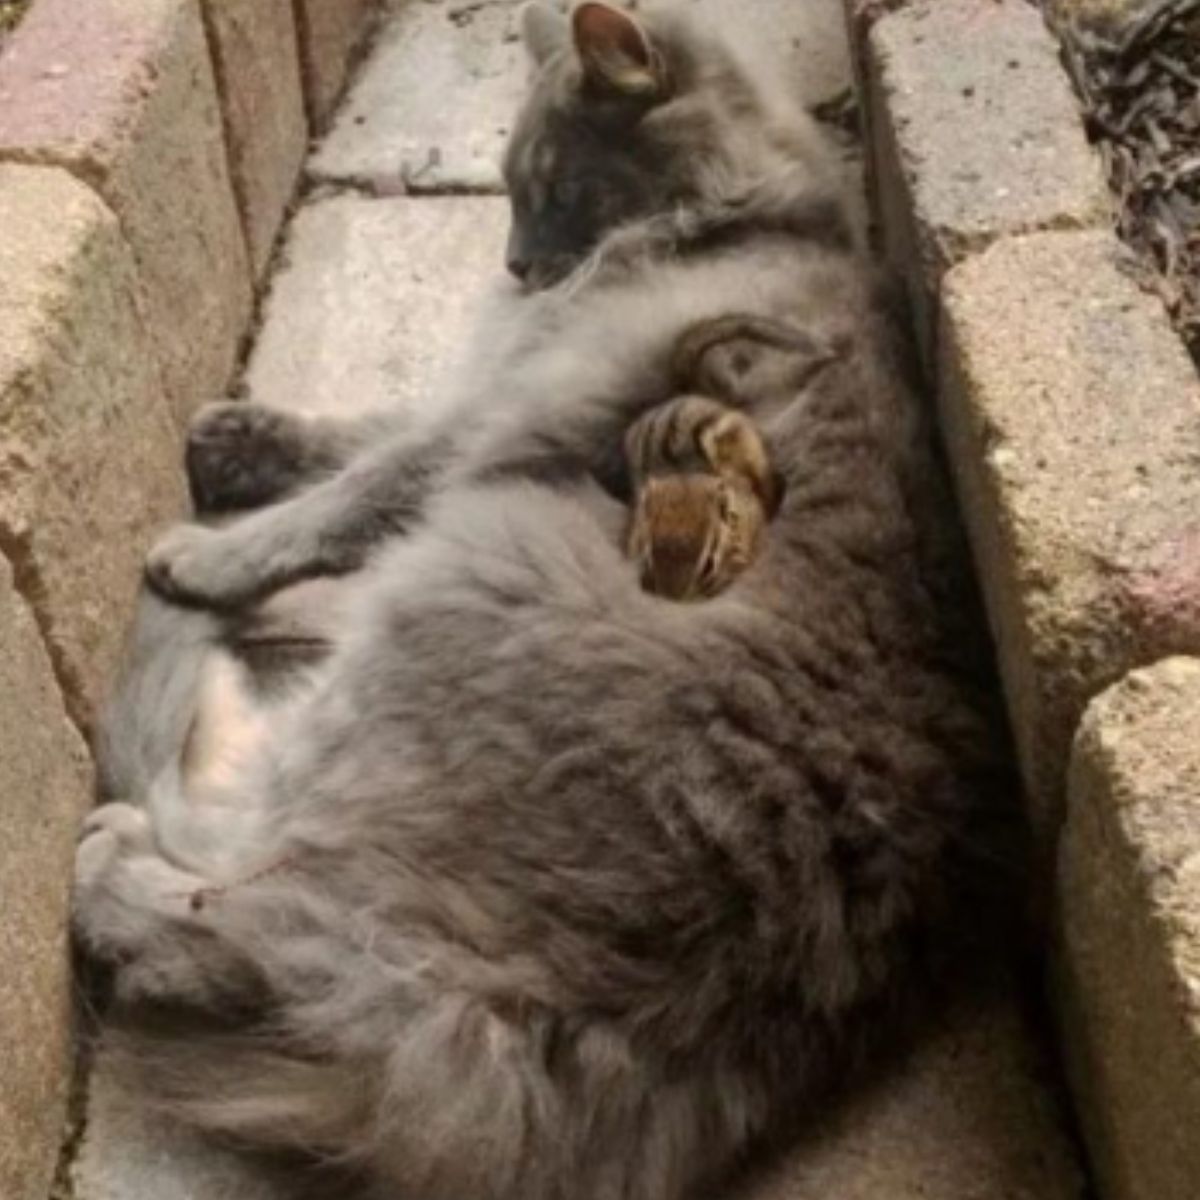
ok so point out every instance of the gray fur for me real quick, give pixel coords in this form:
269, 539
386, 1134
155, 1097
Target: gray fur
539, 887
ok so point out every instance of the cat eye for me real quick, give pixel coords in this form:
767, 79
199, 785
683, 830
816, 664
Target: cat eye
565, 193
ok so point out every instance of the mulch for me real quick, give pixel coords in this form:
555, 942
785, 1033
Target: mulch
1140, 86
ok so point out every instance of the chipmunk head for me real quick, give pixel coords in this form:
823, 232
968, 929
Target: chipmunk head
693, 534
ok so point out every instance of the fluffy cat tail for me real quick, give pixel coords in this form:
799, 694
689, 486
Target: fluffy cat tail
240, 1087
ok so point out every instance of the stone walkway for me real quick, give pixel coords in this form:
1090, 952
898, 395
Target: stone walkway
401, 230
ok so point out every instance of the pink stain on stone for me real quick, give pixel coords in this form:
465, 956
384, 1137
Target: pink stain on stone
66, 75
1163, 598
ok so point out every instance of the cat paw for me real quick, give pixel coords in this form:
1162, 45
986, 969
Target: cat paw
106, 833
242, 455
192, 564
123, 886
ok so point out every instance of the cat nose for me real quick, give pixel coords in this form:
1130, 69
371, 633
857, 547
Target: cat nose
518, 266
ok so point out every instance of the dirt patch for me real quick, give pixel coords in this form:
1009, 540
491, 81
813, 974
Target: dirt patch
11, 12
1139, 79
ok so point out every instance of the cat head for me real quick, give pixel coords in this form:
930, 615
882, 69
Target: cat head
692, 535
626, 117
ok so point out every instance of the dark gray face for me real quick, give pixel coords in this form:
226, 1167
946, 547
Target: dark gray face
587, 154
575, 171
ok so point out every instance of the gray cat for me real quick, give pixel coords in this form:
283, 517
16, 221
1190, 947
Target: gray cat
538, 887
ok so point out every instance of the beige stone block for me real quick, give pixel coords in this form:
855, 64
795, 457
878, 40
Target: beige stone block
121, 93
89, 458
45, 786
1129, 939
1072, 416
257, 60
330, 32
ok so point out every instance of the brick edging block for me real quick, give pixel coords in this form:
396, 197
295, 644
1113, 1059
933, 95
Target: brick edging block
975, 136
1071, 413
123, 96
46, 782
89, 455
1128, 954
256, 56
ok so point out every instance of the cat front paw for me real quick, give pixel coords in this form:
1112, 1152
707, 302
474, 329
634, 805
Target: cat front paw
107, 832
193, 564
242, 455
122, 884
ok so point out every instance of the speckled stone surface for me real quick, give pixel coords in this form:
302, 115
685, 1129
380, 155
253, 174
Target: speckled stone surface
89, 456
976, 136
121, 93
1072, 416
1129, 953
45, 785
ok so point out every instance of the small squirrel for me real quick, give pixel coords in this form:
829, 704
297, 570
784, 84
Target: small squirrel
704, 488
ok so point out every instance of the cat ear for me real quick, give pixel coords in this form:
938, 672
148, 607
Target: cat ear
617, 55
543, 30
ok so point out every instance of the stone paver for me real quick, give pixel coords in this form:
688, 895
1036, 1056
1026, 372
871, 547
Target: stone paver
1072, 416
330, 32
45, 782
1129, 958
432, 107
257, 61
89, 457
375, 301
433, 104
123, 95
976, 135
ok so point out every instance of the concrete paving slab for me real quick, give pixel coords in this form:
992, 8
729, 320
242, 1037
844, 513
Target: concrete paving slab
257, 62
375, 301
123, 95
433, 105
330, 33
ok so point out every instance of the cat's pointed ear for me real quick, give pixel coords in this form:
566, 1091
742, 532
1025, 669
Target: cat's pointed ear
544, 30
618, 56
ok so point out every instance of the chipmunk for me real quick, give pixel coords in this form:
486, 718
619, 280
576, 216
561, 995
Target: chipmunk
704, 488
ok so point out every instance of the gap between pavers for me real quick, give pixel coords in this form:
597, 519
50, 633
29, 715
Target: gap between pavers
256, 58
